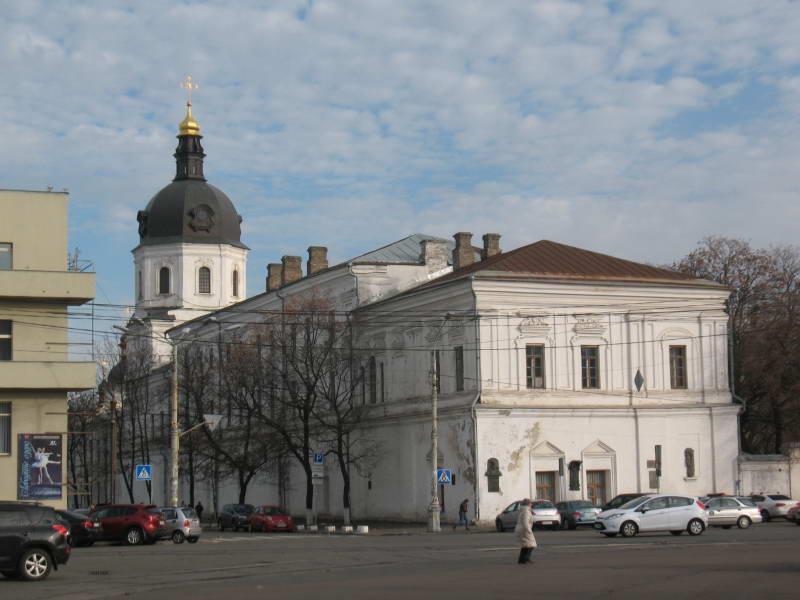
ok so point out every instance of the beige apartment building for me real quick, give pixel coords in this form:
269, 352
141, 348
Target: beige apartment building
37, 288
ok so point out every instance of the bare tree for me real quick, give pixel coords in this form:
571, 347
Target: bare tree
764, 333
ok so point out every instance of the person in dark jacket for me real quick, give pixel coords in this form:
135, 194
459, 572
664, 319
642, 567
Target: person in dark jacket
462, 515
199, 510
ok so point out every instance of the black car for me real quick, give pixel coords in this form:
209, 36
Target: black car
33, 540
621, 499
83, 529
235, 516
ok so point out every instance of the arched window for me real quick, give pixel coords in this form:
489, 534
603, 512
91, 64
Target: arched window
493, 475
163, 280
235, 283
204, 280
139, 285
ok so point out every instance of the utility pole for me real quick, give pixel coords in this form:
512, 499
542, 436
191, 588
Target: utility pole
113, 448
174, 432
435, 509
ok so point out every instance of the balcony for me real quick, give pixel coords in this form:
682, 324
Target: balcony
72, 287
63, 376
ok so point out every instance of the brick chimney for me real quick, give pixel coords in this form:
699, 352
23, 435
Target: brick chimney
292, 269
317, 259
274, 276
463, 254
433, 254
491, 245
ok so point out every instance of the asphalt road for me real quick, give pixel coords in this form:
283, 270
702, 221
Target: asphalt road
761, 562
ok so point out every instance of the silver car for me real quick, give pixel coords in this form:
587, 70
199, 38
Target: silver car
773, 506
182, 524
727, 511
545, 514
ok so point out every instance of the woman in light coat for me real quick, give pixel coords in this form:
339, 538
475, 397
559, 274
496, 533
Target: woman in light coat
524, 531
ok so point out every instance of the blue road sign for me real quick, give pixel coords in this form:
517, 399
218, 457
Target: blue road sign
444, 476
319, 458
144, 472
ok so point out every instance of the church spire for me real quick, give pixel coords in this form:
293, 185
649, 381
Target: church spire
189, 153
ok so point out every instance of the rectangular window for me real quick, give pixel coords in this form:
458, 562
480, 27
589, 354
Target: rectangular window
534, 361
596, 487
5, 340
590, 378
6, 256
546, 485
5, 427
677, 367
459, 352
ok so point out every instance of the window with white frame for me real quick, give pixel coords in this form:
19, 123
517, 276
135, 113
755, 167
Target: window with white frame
6, 256
534, 365
204, 280
677, 367
590, 367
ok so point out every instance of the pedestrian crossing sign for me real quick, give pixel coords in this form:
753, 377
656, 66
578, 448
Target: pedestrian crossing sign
444, 476
144, 472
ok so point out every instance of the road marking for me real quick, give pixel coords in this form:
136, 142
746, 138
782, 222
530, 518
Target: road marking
622, 546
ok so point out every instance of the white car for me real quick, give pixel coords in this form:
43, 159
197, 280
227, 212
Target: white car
773, 506
656, 512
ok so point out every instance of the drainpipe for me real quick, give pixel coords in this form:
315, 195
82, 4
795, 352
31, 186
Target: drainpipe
355, 280
473, 409
713, 449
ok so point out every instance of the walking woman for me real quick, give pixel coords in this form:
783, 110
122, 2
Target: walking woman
524, 531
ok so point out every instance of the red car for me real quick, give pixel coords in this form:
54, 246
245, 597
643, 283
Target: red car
270, 518
131, 523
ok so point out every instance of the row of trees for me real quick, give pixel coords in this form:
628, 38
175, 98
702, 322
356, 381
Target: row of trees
288, 386
764, 310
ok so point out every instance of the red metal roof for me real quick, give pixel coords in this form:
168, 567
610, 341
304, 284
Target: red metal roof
550, 259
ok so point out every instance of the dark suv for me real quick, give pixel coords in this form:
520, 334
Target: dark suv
33, 541
235, 516
131, 523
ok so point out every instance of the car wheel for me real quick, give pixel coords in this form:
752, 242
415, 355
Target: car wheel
695, 527
765, 516
610, 534
499, 525
178, 537
676, 532
629, 529
134, 537
744, 522
192, 539
34, 565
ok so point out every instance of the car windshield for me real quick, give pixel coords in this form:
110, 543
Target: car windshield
274, 510
634, 503
188, 512
154, 511
746, 501
582, 504
543, 504
244, 509
778, 497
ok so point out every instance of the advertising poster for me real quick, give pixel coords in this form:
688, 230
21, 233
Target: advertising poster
39, 467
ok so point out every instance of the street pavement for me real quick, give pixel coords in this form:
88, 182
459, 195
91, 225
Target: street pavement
402, 563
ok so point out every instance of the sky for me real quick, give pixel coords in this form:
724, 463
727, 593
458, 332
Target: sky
629, 128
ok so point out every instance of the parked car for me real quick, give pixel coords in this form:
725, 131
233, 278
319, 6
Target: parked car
235, 516
545, 514
182, 524
773, 506
659, 512
270, 518
577, 512
621, 499
83, 530
131, 523
728, 511
794, 514
33, 540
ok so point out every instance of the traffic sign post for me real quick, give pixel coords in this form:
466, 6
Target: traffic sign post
144, 472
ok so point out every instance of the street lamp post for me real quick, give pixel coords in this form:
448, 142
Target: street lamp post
435, 509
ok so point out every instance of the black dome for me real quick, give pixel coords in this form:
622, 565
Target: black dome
190, 211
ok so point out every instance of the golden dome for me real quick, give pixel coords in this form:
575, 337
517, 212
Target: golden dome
189, 126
